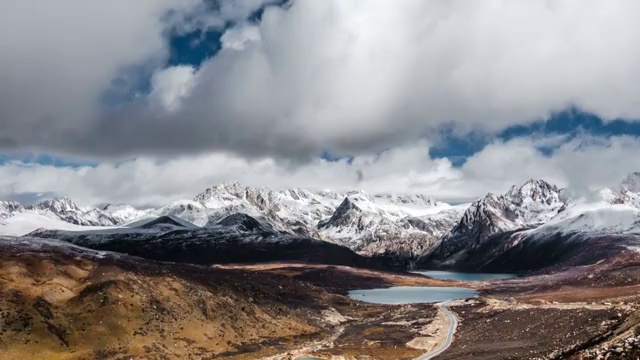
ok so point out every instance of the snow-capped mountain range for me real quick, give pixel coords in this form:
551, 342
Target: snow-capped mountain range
409, 226
375, 224
537, 225
528, 206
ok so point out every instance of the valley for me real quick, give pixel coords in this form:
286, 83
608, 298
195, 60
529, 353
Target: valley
242, 273
319, 180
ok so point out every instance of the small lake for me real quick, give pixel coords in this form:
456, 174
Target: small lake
412, 294
459, 276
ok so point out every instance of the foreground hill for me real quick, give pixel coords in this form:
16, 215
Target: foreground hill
60, 301
55, 297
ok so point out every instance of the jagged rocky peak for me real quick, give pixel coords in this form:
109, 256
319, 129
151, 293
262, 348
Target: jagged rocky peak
532, 203
537, 190
58, 205
231, 193
233, 190
10, 206
298, 194
343, 214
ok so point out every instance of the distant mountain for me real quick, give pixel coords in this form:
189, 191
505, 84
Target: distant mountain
381, 224
531, 225
61, 209
238, 238
368, 224
375, 231
123, 214
9, 208
527, 206
626, 193
535, 225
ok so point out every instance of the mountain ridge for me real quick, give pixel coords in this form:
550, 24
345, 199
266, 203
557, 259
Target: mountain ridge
388, 225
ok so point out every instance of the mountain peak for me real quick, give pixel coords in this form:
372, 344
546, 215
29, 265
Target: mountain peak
631, 183
538, 191
531, 186
58, 205
343, 214
531, 204
9, 208
347, 205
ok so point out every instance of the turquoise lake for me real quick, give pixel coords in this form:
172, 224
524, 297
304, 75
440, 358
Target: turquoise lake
412, 294
426, 294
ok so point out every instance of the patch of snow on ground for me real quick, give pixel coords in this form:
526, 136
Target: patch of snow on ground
24, 223
596, 217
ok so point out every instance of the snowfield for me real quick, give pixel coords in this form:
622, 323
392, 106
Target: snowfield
24, 223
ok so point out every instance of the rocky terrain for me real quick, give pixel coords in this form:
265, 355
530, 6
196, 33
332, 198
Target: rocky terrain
244, 273
527, 228
374, 225
237, 238
537, 226
60, 301
528, 206
62, 209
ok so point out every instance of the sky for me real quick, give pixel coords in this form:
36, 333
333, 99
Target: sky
152, 101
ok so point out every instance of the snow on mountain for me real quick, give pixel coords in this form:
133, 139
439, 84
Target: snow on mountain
60, 213
66, 210
383, 223
530, 205
594, 218
369, 224
628, 192
8, 208
123, 214
370, 228
22, 223
188, 210
618, 212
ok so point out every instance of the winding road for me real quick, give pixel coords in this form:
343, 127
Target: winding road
453, 324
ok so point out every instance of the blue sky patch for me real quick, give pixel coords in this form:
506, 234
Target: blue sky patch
571, 123
194, 48
45, 159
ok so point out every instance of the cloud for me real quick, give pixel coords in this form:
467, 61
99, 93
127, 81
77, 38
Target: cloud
170, 86
353, 77
582, 164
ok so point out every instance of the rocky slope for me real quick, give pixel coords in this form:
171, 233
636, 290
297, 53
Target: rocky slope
369, 224
238, 238
528, 206
534, 226
374, 232
382, 224
59, 301
63, 209
527, 219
